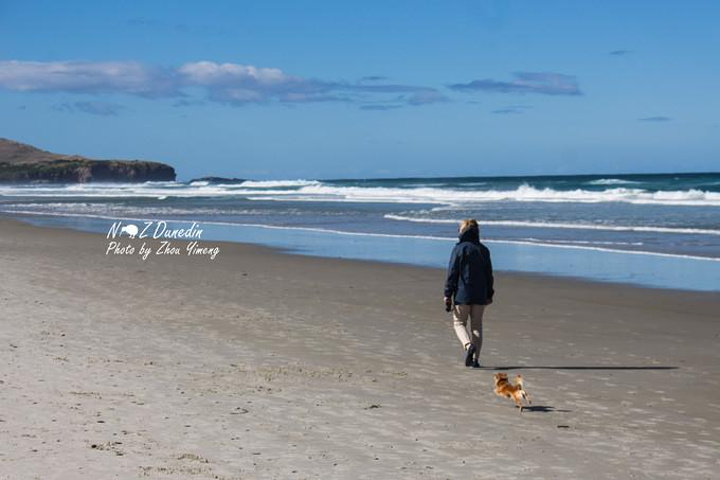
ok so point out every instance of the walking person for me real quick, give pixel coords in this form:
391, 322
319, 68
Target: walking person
469, 289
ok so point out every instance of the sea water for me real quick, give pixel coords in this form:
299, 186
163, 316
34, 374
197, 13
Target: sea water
658, 230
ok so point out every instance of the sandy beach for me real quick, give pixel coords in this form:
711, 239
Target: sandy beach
260, 364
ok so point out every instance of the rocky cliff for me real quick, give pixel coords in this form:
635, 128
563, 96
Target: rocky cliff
21, 163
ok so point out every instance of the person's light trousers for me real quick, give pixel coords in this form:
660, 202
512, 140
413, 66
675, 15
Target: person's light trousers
461, 314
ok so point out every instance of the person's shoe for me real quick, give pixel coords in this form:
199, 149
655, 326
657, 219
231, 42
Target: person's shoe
476, 364
469, 355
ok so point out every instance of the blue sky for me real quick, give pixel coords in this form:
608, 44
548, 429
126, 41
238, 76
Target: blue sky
327, 89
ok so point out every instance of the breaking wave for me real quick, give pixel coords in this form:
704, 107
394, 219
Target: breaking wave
278, 183
313, 190
571, 226
611, 181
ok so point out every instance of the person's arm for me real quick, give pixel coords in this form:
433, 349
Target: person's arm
489, 277
453, 274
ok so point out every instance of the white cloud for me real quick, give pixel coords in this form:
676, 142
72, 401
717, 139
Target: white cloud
545, 83
229, 83
211, 73
86, 77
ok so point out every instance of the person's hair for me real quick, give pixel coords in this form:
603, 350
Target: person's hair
465, 225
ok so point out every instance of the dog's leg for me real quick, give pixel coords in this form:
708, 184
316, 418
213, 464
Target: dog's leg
518, 400
527, 397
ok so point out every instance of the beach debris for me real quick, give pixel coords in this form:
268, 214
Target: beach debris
374, 405
239, 411
192, 457
108, 446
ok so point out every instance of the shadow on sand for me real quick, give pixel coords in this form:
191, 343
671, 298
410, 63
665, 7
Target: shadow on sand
608, 367
544, 409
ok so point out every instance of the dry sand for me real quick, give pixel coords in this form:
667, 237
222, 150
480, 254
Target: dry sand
265, 365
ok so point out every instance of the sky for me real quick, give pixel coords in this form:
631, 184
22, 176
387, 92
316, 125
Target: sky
404, 88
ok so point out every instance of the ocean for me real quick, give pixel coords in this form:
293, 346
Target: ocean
659, 230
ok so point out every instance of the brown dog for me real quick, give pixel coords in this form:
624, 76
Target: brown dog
504, 388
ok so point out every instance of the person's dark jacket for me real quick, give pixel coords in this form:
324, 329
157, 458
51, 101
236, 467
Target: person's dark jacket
470, 277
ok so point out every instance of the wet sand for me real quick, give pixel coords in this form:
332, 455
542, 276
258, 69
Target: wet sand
260, 364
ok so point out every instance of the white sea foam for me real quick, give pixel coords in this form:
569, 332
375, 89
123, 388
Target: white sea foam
402, 218
579, 242
572, 226
311, 190
611, 181
523, 193
278, 183
116, 209
133, 191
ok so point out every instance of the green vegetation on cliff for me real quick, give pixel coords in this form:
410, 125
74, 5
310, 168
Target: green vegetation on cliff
21, 163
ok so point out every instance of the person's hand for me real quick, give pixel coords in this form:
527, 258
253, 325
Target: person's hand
489, 301
448, 303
